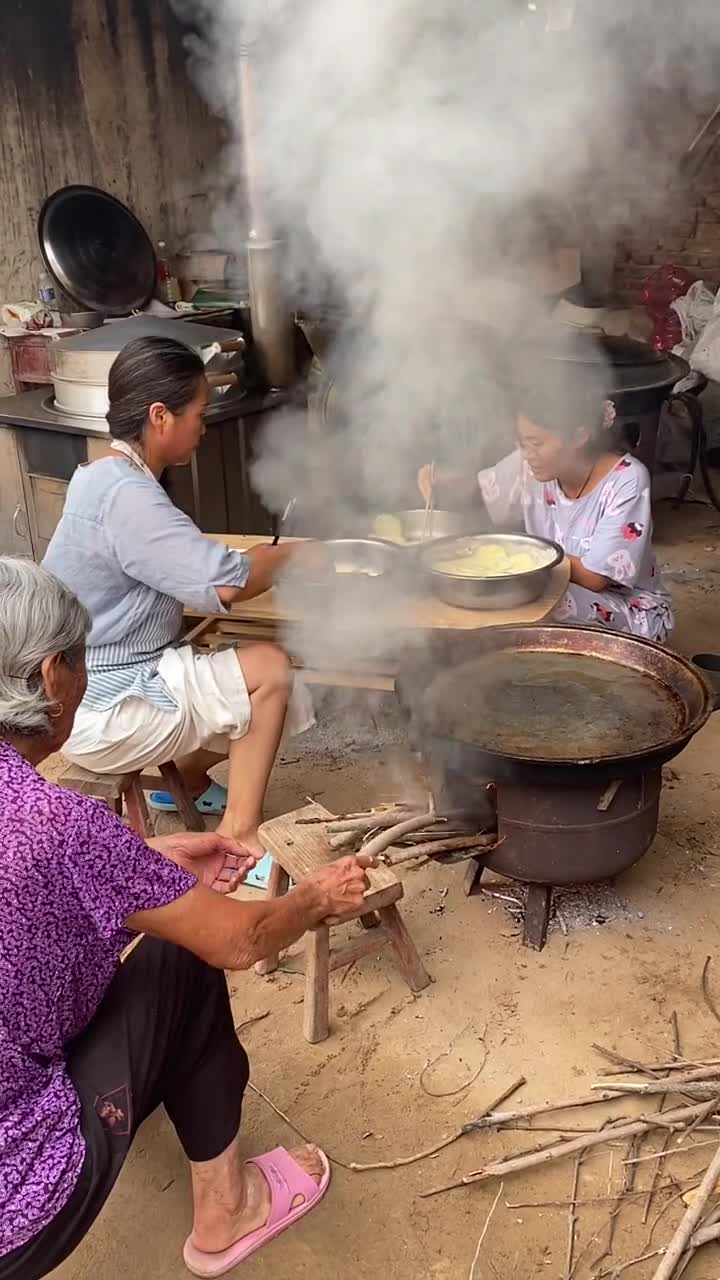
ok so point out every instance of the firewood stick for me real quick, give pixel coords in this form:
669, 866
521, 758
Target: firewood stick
530, 1160
371, 821
626, 1064
440, 1146
701, 1077
398, 807
346, 840
431, 847
655, 1068
387, 838
689, 1222
497, 1119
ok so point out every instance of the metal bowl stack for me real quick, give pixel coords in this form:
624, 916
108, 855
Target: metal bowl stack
497, 591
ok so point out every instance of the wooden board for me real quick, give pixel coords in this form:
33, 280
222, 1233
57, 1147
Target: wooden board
410, 612
304, 849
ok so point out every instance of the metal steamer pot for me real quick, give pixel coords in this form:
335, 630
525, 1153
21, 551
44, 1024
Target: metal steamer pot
80, 365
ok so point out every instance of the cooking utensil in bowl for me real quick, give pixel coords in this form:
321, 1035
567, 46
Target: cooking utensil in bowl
442, 563
283, 520
441, 524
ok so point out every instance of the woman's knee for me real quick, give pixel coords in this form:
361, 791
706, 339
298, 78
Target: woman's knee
266, 669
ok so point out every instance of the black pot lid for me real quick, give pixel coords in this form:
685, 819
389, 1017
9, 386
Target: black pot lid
97, 251
632, 366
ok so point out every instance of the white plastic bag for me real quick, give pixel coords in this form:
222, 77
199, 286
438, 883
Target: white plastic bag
705, 355
695, 309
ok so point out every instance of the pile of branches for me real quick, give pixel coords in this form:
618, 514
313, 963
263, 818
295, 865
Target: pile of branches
696, 1086
404, 832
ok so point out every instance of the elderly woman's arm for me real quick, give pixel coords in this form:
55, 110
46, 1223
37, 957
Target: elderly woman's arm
126, 884
234, 935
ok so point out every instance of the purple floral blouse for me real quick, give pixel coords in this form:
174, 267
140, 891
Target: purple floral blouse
70, 875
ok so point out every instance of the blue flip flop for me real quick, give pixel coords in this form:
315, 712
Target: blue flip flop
260, 875
212, 802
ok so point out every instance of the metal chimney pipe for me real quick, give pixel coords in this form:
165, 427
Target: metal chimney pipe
272, 321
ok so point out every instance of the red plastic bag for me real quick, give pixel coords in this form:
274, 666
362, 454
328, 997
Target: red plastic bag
663, 287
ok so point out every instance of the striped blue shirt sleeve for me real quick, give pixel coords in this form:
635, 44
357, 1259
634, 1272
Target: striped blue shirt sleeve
158, 545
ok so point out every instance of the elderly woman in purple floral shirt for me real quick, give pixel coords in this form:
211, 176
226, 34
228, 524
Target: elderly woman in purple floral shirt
89, 1047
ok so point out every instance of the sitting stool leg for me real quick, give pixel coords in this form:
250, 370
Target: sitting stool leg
137, 809
175, 784
316, 1019
406, 956
278, 884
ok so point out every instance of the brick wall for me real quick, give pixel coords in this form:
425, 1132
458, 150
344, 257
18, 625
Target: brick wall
686, 233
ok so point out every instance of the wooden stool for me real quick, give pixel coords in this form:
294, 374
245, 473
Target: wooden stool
113, 788
297, 851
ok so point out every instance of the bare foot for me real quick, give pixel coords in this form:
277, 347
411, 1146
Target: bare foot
246, 836
225, 1226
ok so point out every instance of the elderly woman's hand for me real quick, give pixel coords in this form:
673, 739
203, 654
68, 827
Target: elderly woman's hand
218, 862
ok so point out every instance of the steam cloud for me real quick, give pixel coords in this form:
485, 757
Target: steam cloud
410, 150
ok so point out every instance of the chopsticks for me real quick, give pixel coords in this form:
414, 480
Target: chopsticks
429, 503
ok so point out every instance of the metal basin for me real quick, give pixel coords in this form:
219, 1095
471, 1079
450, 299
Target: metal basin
508, 591
359, 571
366, 558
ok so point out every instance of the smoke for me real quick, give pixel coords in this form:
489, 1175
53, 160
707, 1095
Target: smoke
412, 155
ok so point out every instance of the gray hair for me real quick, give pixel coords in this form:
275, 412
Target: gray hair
39, 617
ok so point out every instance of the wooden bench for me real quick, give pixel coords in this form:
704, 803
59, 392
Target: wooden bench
297, 851
130, 788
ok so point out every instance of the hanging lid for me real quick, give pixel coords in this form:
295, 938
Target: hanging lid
96, 250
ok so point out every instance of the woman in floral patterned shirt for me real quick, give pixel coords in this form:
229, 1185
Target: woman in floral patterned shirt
568, 481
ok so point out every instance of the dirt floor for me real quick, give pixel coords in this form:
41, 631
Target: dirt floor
398, 1073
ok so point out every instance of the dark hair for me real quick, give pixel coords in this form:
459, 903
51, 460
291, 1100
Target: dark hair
566, 392
150, 370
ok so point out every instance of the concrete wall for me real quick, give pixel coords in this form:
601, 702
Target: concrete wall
96, 91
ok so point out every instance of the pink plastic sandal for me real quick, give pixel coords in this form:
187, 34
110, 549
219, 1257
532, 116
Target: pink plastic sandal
286, 1181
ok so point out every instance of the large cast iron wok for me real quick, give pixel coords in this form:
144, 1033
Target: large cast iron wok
554, 703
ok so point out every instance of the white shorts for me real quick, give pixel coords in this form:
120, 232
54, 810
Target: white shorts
213, 709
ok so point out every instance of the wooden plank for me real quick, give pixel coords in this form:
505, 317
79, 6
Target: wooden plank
104, 786
364, 945
200, 629
304, 849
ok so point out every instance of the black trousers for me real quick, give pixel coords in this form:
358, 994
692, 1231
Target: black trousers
163, 1035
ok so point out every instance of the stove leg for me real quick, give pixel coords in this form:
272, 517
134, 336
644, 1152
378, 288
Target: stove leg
537, 915
472, 877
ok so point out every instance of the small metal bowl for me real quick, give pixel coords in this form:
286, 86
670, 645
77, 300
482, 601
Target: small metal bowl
508, 591
419, 526
82, 319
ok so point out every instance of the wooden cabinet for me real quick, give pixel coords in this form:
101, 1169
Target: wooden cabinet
15, 534
35, 470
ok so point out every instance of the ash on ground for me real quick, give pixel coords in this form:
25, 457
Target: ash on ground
582, 907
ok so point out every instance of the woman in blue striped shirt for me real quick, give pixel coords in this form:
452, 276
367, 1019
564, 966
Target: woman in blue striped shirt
136, 561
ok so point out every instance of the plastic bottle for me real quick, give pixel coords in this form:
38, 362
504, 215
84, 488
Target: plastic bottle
46, 290
168, 287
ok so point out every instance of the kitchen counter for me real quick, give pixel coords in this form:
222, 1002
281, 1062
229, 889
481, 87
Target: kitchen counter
34, 409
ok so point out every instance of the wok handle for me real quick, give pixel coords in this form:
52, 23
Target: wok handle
223, 379
709, 664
